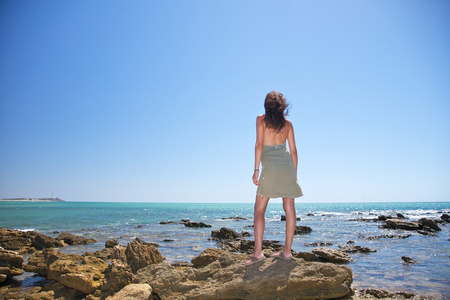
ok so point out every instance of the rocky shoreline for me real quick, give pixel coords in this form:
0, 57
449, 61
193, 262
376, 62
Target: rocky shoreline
139, 271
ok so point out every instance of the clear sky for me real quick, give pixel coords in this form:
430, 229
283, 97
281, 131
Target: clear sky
157, 100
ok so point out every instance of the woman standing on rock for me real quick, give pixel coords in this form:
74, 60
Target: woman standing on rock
279, 171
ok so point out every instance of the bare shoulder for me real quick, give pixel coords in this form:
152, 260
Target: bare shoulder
289, 124
259, 119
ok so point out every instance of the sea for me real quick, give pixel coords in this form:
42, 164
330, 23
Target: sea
334, 223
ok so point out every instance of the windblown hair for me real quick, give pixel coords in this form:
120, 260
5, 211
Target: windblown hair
276, 109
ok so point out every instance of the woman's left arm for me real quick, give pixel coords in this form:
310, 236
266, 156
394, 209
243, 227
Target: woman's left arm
292, 147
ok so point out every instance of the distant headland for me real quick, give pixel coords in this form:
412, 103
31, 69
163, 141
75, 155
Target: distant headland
34, 199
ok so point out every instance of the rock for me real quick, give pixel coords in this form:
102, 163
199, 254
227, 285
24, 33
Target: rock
26, 242
84, 274
332, 255
302, 230
400, 216
354, 248
167, 222
235, 218
133, 292
382, 294
10, 264
427, 231
318, 244
208, 256
225, 234
310, 215
307, 256
384, 218
248, 247
430, 224
408, 260
105, 254
111, 243
138, 227
140, 254
118, 276
389, 236
401, 224
196, 224
168, 240
445, 218
72, 239
283, 218
226, 277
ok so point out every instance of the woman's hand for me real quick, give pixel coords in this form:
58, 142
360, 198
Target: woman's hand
255, 177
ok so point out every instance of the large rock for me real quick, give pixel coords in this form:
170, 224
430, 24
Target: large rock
226, 277
72, 239
85, 274
302, 230
430, 224
133, 292
332, 255
402, 224
225, 234
118, 275
10, 264
26, 242
140, 254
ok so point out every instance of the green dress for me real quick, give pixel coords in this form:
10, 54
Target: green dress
278, 177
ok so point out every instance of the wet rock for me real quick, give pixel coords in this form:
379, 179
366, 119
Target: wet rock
354, 249
307, 256
427, 231
408, 260
389, 236
302, 230
382, 294
384, 218
168, 240
400, 216
283, 218
134, 291
310, 215
140, 254
332, 255
318, 244
235, 218
445, 218
196, 224
72, 239
168, 222
111, 243
10, 264
429, 224
139, 227
226, 277
401, 224
225, 234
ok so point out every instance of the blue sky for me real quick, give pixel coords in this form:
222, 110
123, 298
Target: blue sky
157, 100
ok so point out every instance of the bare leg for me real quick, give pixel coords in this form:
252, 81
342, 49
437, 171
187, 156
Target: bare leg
289, 209
259, 223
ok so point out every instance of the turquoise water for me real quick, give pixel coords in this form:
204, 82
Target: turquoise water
330, 223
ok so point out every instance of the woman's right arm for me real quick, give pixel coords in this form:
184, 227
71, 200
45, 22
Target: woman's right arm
258, 147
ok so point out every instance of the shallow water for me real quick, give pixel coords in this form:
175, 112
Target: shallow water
330, 223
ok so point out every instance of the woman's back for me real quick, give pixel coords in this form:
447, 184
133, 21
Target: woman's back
270, 136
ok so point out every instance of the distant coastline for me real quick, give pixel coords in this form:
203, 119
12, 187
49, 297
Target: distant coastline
35, 199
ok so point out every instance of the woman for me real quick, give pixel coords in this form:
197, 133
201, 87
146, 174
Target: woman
279, 171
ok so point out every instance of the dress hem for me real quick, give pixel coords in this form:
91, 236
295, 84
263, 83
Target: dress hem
278, 196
